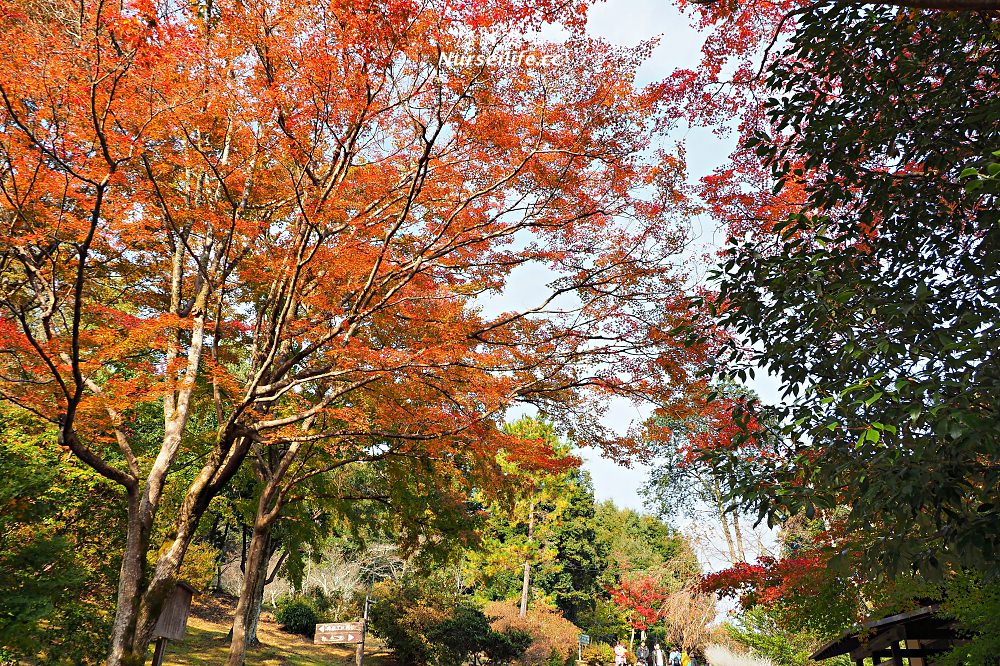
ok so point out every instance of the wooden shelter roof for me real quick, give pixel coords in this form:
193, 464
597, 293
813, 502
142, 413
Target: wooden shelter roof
922, 632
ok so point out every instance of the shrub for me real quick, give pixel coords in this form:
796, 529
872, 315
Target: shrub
599, 653
504, 647
555, 659
319, 600
296, 615
422, 626
550, 631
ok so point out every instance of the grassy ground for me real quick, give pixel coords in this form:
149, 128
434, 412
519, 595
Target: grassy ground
205, 643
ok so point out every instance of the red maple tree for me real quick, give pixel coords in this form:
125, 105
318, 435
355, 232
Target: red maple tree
642, 597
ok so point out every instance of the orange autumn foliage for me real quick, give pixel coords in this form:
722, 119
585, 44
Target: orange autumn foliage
550, 631
294, 215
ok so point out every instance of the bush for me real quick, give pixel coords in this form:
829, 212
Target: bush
422, 626
296, 615
550, 631
599, 653
555, 659
318, 599
505, 647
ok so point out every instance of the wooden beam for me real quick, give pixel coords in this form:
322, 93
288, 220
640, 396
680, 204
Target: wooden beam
878, 642
910, 652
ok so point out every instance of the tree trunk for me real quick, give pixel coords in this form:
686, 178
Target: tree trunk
130, 578
713, 488
524, 589
248, 606
740, 551
255, 610
527, 563
141, 596
259, 551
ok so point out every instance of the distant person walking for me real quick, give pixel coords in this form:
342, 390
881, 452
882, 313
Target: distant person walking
642, 655
659, 659
675, 657
620, 653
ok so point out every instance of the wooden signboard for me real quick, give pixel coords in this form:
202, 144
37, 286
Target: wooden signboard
339, 632
173, 618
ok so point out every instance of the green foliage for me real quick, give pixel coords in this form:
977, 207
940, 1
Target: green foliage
578, 548
639, 542
757, 629
599, 653
574, 584
878, 305
506, 646
976, 606
424, 624
467, 632
297, 615
60, 538
606, 622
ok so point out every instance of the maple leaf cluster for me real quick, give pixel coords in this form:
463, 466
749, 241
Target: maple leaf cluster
643, 597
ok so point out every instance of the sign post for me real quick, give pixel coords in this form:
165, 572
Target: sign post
338, 633
173, 619
364, 632
584, 640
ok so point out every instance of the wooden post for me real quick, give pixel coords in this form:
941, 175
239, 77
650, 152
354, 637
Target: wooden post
897, 657
360, 655
159, 651
915, 661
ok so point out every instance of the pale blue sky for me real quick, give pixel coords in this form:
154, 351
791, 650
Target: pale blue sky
626, 23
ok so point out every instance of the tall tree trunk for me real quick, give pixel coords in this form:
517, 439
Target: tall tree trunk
142, 593
258, 557
525, 584
263, 581
713, 489
130, 578
257, 604
739, 539
247, 608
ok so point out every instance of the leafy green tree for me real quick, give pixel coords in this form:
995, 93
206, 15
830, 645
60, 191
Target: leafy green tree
574, 583
878, 303
523, 527
640, 542
757, 629
975, 604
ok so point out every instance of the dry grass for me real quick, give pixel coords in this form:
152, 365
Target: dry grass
205, 643
718, 655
